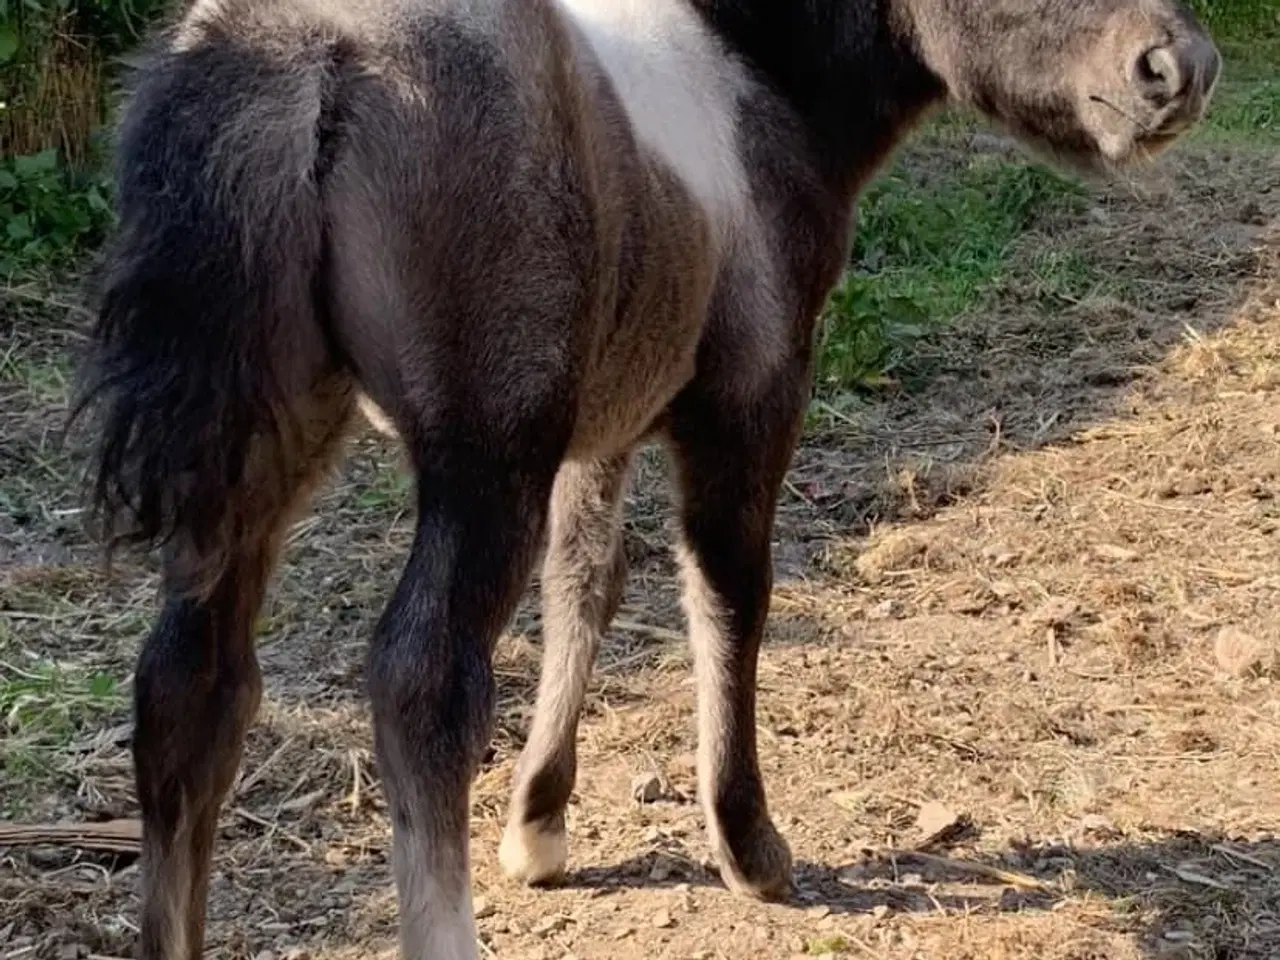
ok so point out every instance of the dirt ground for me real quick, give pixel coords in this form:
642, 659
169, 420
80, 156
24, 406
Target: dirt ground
1037, 586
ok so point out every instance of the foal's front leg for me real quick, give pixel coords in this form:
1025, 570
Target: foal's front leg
582, 580
731, 460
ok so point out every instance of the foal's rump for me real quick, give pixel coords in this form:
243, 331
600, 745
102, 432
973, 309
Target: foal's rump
290, 182
463, 244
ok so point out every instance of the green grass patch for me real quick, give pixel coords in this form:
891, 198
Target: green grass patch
927, 247
820, 946
1250, 111
48, 705
44, 379
389, 491
44, 707
1246, 105
1238, 17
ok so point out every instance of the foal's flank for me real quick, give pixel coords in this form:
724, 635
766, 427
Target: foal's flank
527, 236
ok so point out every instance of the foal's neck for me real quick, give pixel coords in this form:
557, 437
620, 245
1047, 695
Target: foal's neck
848, 68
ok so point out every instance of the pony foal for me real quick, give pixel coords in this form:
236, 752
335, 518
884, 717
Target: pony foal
534, 234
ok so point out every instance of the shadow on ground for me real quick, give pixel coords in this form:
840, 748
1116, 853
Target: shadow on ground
1170, 892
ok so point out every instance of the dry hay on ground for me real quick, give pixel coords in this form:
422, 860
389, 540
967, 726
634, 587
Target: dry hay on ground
1060, 628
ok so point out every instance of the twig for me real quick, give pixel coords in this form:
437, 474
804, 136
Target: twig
661, 633
356, 777
112, 836
251, 779
30, 615
1234, 854
5, 665
796, 492
831, 411
1166, 507
271, 828
617, 666
1199, 879
1020, 880
861, 945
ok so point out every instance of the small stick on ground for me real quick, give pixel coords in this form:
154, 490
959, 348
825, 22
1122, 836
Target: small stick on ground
111, 836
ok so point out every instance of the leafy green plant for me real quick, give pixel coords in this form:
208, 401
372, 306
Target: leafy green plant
49, 704
48, 212
868, 332
112, 25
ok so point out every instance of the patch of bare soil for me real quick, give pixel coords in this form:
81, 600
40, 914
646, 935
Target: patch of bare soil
1019, 698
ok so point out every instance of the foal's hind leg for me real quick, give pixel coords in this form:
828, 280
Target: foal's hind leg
731, 460
197, 687
582, 580
480, 515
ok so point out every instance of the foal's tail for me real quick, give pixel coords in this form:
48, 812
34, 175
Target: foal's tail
206, 304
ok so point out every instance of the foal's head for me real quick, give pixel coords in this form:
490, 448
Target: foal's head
1093, 82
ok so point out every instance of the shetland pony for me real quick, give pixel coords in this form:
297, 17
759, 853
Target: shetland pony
527, 236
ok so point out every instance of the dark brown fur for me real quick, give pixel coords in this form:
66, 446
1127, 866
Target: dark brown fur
448, 208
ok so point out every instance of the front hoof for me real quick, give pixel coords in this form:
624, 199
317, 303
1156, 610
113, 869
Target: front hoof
533, 854
762, 870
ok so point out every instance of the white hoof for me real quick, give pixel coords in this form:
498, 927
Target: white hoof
532, 855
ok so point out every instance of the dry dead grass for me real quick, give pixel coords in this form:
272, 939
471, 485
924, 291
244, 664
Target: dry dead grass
1040, 591
58, 101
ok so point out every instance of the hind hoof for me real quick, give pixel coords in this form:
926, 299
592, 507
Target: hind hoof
763, 871
533, 854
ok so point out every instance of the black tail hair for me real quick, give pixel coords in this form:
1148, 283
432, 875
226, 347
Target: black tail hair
207, 286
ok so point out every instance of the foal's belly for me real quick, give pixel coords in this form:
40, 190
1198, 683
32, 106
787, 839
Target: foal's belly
622, 398
663, 110
647, 351
651, 311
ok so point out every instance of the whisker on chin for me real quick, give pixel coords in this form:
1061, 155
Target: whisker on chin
1124, 113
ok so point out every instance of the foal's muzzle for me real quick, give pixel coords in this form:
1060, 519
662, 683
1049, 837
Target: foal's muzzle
1174, 81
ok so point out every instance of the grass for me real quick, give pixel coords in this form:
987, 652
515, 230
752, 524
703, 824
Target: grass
1241, 18
47, 703
44, 707
927, 248
1246, 107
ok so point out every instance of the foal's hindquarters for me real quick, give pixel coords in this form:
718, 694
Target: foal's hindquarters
461, 224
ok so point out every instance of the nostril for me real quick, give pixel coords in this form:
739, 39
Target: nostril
1159, 74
